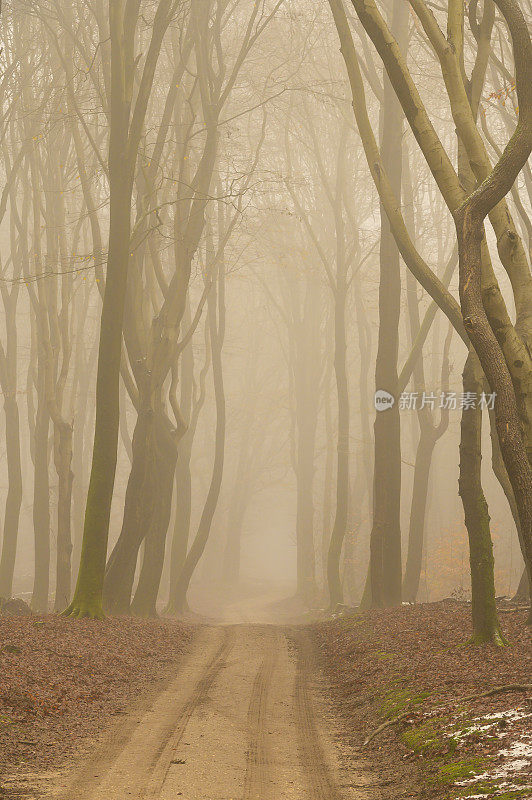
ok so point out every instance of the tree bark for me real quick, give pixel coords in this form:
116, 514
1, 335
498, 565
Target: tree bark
484, 611
385, 559
469, 220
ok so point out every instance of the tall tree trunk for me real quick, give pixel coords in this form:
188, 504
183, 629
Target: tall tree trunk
385, 558
469, 219
306, 319
183, 478
327, 485
334, 582
87, 599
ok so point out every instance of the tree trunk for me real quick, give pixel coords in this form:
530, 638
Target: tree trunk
63, 461
334, 582
217, 334
484, 611
139, 505
87, 599
232, 550
523, 593
182, 520
416, 534
14, 497
385, 559
145, 599
41, 500
306, 558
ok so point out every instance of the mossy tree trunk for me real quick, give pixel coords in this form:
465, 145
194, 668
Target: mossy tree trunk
484, 611
469, 220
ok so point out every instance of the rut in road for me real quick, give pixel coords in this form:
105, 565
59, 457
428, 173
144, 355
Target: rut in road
316, 769
199, 695
241, 721
256, 781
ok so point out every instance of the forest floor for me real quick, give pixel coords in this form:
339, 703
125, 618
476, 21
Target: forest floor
61, 684
415, 665
238, 708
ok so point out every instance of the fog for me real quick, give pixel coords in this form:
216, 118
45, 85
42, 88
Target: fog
197, 269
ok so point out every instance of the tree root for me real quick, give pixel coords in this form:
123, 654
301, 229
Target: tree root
81, 610
510, 687
385, 725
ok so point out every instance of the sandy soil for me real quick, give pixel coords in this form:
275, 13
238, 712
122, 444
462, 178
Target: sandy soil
243, 718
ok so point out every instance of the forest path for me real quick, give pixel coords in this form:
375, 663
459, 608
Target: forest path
241, 721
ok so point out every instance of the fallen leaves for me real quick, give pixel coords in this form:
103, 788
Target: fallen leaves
61, 682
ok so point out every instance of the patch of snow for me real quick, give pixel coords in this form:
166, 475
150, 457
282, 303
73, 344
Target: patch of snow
516, 757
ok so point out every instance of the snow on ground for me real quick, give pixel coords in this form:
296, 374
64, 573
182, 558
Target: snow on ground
514, 761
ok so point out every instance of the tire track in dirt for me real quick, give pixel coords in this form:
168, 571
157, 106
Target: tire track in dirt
257, 785
321, 784
163, 760
150, 781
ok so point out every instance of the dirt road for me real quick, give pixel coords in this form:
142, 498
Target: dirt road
241, 721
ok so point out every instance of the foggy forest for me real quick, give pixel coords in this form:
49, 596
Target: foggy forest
266, 371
